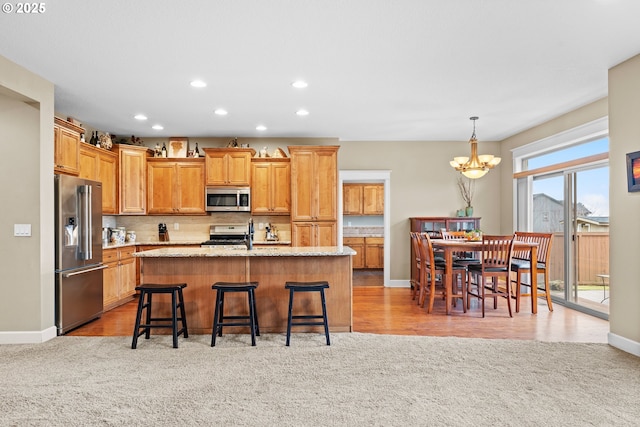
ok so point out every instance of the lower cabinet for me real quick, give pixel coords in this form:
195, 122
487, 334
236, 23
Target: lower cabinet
321, 233
119, 278
369, 251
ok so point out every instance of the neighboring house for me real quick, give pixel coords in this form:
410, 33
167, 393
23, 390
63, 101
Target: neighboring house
548, 216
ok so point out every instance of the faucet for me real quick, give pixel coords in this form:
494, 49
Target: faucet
248, 238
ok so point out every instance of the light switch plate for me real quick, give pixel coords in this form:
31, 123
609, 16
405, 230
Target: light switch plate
22, 230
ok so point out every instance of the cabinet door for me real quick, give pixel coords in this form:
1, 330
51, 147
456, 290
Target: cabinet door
281, 188
326, 185
190, 188
133, 183
326, 234
216, 165
67, 150
303, 184
107, 170
260, 188
373, 199
352, 199
374, 252
127, 277
357, 244
89, 163
161, 188
303, 234
238, 168
110, 285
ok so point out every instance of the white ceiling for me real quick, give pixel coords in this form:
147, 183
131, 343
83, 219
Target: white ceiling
377, 69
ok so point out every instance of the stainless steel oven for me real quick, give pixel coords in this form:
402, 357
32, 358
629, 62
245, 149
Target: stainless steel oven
228, 199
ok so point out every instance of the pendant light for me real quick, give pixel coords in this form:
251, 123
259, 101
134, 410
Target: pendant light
476, 166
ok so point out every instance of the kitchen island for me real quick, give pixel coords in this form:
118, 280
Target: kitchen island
199, 268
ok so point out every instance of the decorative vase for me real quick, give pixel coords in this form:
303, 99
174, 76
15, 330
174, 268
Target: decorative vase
469, 210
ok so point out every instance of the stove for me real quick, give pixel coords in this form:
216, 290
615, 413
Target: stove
227, 236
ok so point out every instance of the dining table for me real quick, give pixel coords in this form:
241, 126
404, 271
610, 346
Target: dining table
449, 246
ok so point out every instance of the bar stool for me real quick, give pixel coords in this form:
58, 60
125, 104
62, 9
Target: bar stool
177, 302
304, 320
220, 320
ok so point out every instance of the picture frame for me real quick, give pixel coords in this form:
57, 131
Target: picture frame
178, 147
633, 171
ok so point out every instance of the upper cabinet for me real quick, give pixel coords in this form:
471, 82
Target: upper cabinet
228, 166
67, 147
271, 186
101, 165
132, 184
314, 177
363, 199
175, 186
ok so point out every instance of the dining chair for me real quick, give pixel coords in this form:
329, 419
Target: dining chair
495, 264
521, 265
432, 268
415, 283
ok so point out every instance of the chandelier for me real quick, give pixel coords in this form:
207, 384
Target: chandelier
476, 166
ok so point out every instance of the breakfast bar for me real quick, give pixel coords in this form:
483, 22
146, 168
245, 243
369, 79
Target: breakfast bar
199, 268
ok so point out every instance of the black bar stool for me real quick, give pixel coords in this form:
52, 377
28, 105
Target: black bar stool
304, 320
220, 320
177, 302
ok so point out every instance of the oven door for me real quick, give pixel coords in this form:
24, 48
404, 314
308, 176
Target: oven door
228, 199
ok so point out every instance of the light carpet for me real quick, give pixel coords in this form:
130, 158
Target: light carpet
361, 379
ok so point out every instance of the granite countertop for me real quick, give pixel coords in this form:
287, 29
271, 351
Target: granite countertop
184, 242
370, 231
243, 252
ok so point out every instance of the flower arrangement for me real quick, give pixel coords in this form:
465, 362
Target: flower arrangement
467, 189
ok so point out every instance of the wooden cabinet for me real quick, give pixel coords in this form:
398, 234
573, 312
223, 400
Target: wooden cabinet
175, 187
228, 166
314, 177
363, 199
369, 251
119, 278
66, 139
132, 182
101, 165
433, 225
314, 193
271, 186
321, 233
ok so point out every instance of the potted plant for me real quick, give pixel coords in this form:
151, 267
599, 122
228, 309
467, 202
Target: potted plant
467, 188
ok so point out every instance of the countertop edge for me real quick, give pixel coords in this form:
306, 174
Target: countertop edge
300, 251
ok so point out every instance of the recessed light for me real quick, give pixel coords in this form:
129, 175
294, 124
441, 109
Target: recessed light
198, 83
140, 117
299, 84
157, 127
261, 128
220, 112
302, 112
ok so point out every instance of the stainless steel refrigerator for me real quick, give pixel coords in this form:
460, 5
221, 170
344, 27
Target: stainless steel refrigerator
78, 222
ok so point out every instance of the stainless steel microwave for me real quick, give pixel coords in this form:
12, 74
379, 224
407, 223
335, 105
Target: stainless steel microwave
228, 199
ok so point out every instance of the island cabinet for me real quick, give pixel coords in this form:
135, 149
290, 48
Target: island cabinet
271, 186
66, 139
119, 278
132, 182
175, 186
314, 194
101, 165
363, 199
228, 166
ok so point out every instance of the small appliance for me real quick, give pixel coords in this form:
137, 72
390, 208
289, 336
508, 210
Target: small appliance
228, 199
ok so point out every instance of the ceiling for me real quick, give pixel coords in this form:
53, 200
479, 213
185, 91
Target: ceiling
376, 69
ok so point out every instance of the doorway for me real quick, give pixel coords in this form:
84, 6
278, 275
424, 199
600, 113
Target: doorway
369, 176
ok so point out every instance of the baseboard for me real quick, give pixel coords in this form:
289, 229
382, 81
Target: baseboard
398, 284
624, 344
28, 337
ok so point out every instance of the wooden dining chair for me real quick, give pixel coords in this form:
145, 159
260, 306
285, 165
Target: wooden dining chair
521, 265
495, 264
432, 269
415, 283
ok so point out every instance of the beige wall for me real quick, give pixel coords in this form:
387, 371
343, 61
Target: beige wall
27, 263
624, 106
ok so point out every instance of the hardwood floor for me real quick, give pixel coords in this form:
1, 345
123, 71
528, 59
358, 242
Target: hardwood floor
381, 310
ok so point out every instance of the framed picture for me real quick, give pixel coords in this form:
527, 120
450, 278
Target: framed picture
633, 171
178, 147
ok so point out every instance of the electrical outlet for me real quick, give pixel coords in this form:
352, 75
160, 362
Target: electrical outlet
260, 226
176, 226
